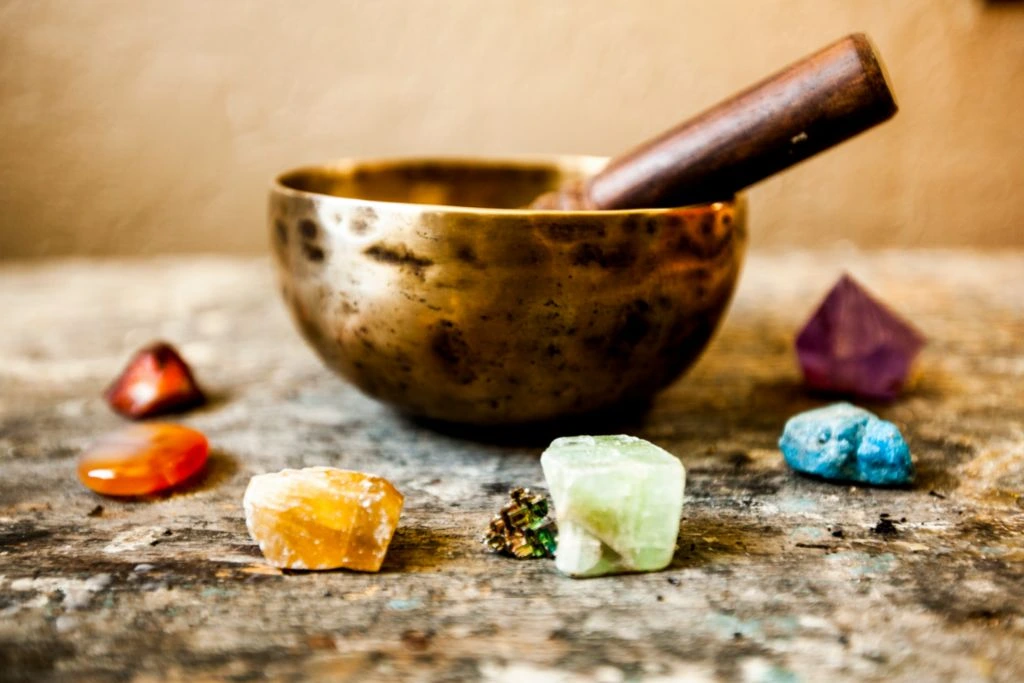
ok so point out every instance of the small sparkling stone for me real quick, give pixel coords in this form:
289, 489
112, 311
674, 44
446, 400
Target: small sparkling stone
322, 518
618, 500
157, 380
142, 459
855, 345
522, 528
842, 442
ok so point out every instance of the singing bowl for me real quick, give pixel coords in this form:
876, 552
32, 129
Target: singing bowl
423, 284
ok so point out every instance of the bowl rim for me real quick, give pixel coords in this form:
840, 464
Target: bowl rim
585, 164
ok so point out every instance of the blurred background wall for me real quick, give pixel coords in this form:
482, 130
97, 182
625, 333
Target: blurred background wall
144, 126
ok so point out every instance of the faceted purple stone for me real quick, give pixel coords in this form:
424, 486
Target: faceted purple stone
853, 344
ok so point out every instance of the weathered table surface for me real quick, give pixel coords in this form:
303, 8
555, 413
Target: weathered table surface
764, 587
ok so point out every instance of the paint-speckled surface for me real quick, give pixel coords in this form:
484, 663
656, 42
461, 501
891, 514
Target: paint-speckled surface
777, 577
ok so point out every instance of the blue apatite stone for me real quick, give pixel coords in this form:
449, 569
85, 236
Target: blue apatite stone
847, 443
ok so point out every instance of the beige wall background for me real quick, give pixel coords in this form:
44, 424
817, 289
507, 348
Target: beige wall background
142, 126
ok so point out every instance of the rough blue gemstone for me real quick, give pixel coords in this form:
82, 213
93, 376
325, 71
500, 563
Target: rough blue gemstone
846, 443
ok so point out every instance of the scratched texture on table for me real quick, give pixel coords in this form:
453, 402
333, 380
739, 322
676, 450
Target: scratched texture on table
777, 577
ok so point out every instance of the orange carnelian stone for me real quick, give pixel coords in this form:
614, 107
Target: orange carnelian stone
157, 380
142, 459
322, 518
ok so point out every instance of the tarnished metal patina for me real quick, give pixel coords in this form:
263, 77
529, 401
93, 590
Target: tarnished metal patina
420, 282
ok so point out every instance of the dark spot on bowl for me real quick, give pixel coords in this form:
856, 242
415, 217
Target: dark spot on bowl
362, 222
308, 229
358, 226
312, 252
707, 225
704, 247
534, 257
451, 349
652, 225
630, 224
621, 256
465, 253
586, 253
636, 323
399, 256
281, 231
573, 230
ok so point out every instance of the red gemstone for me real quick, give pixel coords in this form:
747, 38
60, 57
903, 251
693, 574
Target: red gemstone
854, 345
157, 380
142, 459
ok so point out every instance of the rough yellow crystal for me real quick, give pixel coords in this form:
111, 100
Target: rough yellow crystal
322, 518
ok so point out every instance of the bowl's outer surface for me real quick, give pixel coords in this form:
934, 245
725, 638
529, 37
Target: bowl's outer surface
497, 316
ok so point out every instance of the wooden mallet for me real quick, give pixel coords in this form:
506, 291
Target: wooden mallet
809, 106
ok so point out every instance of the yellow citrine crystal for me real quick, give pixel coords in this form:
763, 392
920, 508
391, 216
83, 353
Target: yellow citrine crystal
322, 518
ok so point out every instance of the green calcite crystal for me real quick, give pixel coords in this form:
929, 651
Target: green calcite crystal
617, 500
522, 529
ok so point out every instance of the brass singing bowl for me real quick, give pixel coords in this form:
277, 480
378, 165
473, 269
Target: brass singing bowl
419, 281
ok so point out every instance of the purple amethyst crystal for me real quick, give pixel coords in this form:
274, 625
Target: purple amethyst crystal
854, 345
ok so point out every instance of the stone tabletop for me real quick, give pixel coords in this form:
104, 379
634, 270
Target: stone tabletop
777, 577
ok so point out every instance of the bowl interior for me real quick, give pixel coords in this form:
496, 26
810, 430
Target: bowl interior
451, 182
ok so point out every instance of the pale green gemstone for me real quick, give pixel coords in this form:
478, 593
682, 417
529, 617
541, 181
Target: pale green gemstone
617, 500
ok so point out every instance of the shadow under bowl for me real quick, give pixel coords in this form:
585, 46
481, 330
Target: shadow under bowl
419, 281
